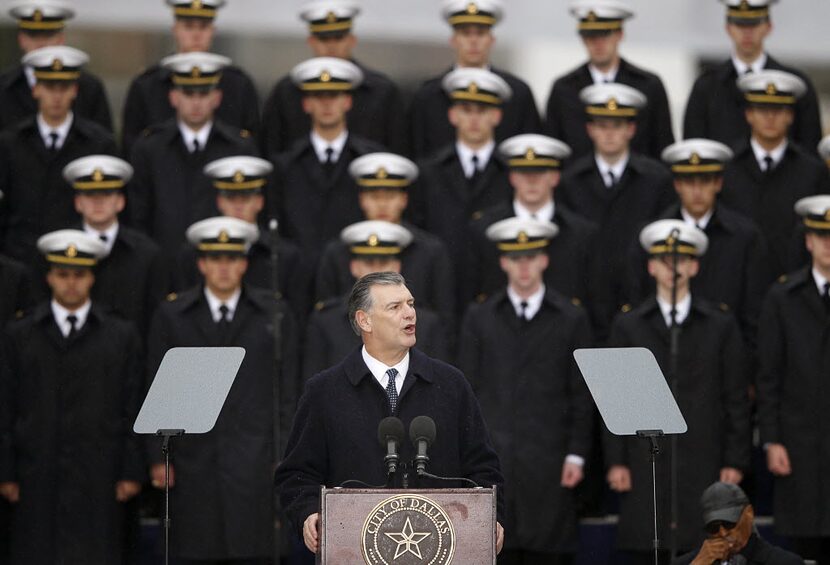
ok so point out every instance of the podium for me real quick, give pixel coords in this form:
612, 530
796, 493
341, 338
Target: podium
405, 527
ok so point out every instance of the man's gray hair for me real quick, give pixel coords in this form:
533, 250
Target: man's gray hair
361, 296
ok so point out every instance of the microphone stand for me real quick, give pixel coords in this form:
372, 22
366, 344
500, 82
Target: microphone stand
674, 351
276, 395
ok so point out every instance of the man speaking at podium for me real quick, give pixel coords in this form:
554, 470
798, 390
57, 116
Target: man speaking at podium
333, 438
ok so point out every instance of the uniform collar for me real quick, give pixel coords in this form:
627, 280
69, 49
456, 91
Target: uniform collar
545, 213
188, 135
617, 168
465, 155
61, 314
62, 130
600, 77
684, 306
698, 223
110, 234
760, 153
534, 301
215, 303
756, 66
337, 144
820, 281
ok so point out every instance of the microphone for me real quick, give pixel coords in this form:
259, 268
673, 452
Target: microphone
390, 436
422, 434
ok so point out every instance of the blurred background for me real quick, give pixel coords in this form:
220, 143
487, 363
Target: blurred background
409, 41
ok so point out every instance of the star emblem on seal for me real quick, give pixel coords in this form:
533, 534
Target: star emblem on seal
408, 540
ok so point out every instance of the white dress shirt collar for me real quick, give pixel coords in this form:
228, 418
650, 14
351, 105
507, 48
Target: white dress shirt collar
110, 234
60, 313
760, 153
545, 213
534, 301
188, 135
617, 168
684, 306
378, 369
465, 155
820, 281
600, 77
214, 303
320, 145
701, 223
756, 66
62, 130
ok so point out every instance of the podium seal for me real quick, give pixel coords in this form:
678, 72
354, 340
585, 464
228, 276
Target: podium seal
408, 529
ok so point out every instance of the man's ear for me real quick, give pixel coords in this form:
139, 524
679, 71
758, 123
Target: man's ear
363, 321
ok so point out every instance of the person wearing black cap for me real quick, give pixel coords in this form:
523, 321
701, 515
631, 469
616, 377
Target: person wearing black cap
732, 538
374, 246
383, 181
535, 163
169, 190
715, 109
769, 172
130, 280
147, 101
711, 387
516, 349
472, 41
601, 29
468, 176
616, 188
377, 108
733, 272
313, 195
333, 437
793, 405
223, 490
35, 150
240, 182
41, 23
70, 389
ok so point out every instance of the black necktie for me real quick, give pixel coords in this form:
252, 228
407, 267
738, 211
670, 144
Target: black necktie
391, 390
73, 327
476, 171
523, 312
826, 298
612, 179
328, 164
53, 141
224, 322
196, 146
769, 164
103, 237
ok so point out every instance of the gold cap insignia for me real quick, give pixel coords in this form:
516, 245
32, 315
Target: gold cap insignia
97, 175
473, 88
612, 104
325, 76
522, 237
472, 8
373, 240
197, 4
223, 236
381, 174
195, 72
592, 16
671, 240
530, 155
57, 65
238, 177
744, 5
37, 16
331, 17
771, 89
71, 250
694, 159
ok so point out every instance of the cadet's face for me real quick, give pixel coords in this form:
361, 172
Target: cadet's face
99, 208
327, 109
70, 287
54, 99
193, 34
386, 205
472, 44
362, 267
602, 48
748, 39
195, 107
31, 41
769, 123
698, 192
534, 189
524, 272
611, 137
242, 206
818, 244
661, 269
391, 320
339, 46
474, 123
223, 273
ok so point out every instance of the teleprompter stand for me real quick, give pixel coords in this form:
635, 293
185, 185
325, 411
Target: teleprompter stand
634, 399
187, 394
